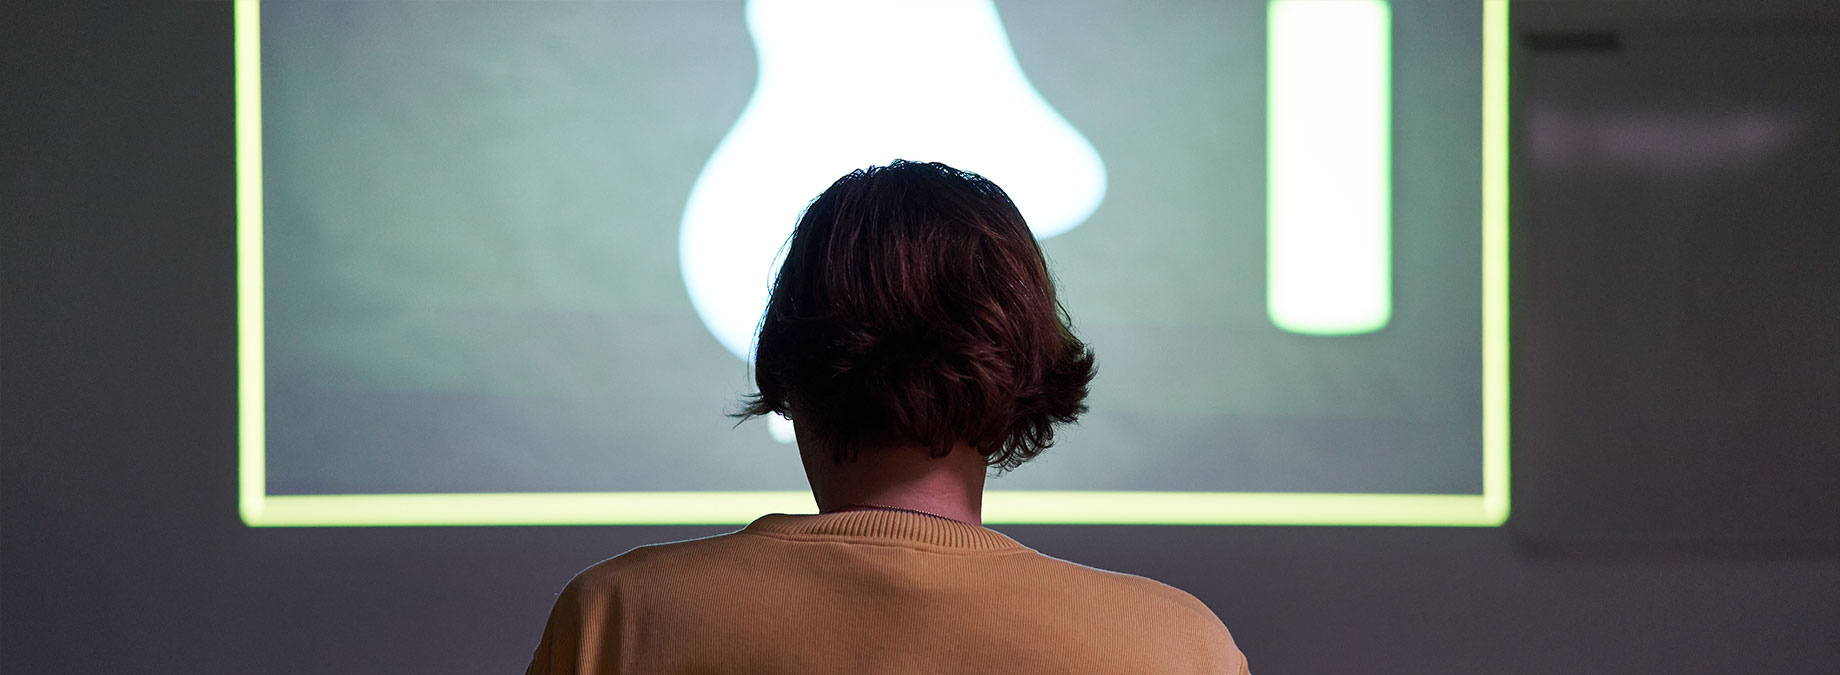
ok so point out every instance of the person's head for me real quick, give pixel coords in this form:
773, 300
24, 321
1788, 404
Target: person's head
915, 308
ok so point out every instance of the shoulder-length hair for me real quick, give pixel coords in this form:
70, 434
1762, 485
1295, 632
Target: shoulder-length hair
914, 306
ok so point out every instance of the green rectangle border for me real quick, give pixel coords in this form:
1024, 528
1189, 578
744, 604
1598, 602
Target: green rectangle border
1000, 506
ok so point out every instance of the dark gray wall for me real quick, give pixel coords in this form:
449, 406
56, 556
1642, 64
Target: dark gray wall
122, 551
1678, 304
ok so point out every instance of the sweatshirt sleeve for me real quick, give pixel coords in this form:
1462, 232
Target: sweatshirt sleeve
582, 636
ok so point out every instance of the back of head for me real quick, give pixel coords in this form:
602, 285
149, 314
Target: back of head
915, 307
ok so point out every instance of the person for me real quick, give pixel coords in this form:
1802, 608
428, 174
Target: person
914, 338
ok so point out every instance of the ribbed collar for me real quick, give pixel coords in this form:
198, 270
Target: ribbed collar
885, 526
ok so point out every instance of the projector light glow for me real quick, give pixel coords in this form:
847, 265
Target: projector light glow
838, 91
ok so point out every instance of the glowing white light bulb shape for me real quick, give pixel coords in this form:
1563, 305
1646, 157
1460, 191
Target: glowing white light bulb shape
845, 84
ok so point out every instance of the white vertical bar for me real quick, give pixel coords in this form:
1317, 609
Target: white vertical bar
1328, 153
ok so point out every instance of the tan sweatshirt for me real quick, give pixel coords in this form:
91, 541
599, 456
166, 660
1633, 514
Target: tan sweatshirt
865, 592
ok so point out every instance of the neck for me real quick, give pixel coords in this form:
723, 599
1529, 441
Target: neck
902, 477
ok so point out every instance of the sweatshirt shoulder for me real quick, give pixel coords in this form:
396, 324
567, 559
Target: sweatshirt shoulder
652, 562
1150, 592
1184, 622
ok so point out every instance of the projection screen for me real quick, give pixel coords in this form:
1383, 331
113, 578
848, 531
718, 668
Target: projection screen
500, 262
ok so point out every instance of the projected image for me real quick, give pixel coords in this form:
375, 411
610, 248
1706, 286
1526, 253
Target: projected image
503, 262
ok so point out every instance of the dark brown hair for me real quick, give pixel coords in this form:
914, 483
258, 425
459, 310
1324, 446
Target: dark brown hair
915, 306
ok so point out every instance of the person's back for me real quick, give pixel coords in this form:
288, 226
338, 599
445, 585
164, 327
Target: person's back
874, 591
914, 339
